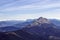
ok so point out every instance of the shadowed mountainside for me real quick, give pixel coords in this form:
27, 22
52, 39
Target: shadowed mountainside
40, 29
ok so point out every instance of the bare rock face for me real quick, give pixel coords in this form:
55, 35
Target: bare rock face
40, 21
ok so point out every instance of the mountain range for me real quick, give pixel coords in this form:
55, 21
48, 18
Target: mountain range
37, 29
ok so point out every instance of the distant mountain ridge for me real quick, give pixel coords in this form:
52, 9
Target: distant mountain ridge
55, 21
8, 29
38, 29
8, 23
30, 22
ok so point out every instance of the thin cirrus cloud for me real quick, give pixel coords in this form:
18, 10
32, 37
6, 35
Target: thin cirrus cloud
32, 7
19, 9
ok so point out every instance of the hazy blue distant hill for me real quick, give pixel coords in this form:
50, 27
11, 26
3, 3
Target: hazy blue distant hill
6, 26
23, 24
55, 21
9, 23
8, 29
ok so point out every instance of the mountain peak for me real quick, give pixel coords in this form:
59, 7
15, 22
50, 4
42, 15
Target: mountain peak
42, 20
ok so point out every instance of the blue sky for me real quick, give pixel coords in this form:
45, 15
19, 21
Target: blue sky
29, 9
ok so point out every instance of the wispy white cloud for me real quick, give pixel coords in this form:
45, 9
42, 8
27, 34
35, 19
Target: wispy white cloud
32, 6
8, 10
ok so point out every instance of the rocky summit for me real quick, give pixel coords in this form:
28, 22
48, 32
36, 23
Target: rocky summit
40, 21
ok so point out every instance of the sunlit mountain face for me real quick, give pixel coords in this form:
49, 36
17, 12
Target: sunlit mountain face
29, 9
